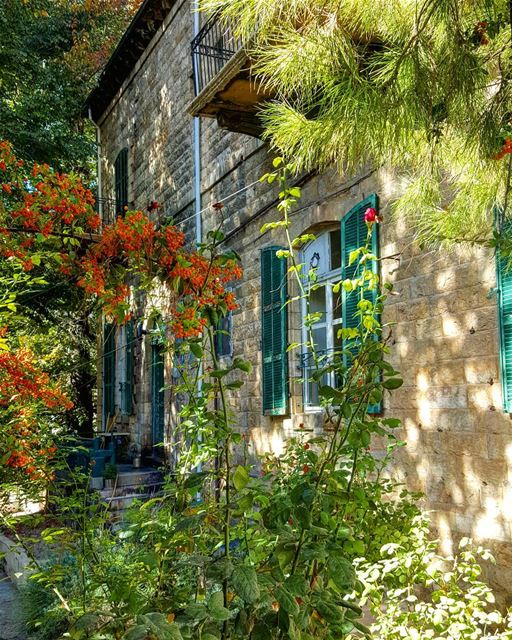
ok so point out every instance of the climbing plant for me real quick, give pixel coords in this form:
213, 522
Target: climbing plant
287, 547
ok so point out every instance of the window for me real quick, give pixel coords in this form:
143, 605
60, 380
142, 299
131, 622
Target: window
323, 255
126, 385
109, 372
223, 337
274, 332
121, 181
329, 256
504, 281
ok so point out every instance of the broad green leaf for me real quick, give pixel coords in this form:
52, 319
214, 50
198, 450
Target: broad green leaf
341, 572
138, 632
240, 478
287, 601
216, 607
329, 611
196, 349
245, 583
392, 383
297, 585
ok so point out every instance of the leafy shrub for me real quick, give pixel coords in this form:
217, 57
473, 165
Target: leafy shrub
416, 594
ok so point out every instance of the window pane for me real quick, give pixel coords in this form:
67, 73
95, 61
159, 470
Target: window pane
335, 237
320, 339
336, 306
317, 302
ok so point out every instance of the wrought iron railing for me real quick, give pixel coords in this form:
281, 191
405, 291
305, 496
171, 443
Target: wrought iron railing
106, 207
213, 46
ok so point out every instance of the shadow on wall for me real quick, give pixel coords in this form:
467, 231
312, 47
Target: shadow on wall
444, 341
459, 441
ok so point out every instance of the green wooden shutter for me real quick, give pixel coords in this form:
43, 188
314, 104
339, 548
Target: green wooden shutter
504, 280
157, 392
109, 371
121, 181
353, 235
127, 388
274, 327
223, 338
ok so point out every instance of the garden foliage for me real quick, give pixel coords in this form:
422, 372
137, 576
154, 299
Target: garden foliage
289, 547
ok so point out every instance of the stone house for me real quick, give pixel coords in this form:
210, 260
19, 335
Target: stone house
181, 130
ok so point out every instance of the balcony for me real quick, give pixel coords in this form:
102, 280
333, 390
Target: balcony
223, 84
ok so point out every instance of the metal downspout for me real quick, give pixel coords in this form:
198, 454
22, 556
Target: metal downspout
197, 171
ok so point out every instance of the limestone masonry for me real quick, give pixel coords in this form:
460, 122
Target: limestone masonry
445, 332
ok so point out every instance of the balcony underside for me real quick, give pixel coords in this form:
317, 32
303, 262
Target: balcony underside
233, 97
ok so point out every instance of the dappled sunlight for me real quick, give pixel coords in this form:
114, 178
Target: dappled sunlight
445, 344
268, 441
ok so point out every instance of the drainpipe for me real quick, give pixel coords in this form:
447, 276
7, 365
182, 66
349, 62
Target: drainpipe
100, 421
197, 147
197, 173
98, 166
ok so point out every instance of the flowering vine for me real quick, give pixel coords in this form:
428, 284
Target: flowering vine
51, 215
49, 218
27, 399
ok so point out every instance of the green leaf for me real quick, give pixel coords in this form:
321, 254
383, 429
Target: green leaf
86, 622
353, 256
329, 611
287, 601
261, 632
392, 423
196, 612
361, 627
236, 384
375, 396
285, 556
138, 632
392, 383
245, 583
196, 349
303, 516
341, 572
216, 607
297, 585
243, 365
240, 478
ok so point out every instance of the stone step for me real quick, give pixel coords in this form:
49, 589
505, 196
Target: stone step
139, 477
118, 504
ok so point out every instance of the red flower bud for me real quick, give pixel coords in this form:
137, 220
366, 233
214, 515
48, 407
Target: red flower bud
305, 468
370, 215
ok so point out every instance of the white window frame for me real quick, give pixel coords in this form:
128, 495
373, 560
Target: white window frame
331, 325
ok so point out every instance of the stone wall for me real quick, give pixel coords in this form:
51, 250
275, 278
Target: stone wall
444, 339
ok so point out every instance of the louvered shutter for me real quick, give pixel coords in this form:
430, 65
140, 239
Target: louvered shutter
223, 343
504, 278
274, 326
109, 371
127, 389
157, 392
121, 181
353, 235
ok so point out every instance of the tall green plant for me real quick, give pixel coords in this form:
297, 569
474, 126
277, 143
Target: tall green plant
234, 549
